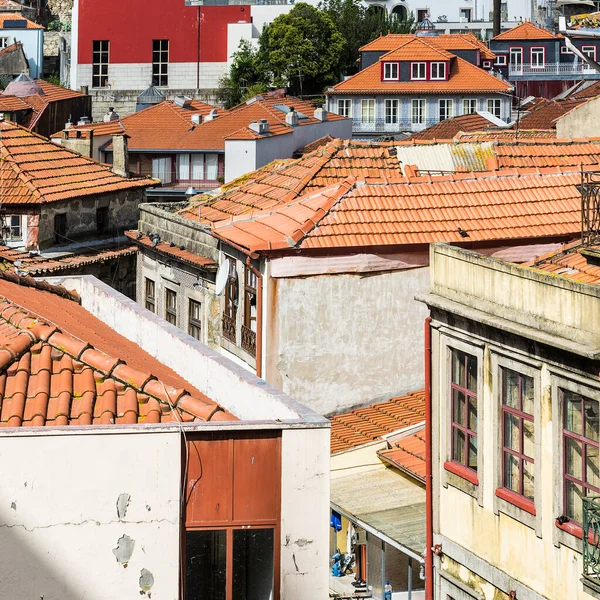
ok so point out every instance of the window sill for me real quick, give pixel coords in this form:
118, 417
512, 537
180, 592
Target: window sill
516, 500
462, 471
575, 530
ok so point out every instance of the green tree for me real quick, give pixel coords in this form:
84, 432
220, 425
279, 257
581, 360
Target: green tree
244, 78
302, 50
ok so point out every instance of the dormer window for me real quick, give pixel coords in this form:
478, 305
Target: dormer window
390, 71
438, 70
418, 70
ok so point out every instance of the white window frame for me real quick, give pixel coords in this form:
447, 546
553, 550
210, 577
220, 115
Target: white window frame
420, 106
536, 51
370, 106
420, 66
391, 111
440, 71
449, 104
4, 42
565, 50
344, 107
492, 104
518, 66
586, 50
467, 103
501, 60
394, 71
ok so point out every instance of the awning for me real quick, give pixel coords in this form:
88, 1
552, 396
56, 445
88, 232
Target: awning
387, 505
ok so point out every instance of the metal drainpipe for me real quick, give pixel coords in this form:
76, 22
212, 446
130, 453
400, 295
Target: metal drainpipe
428, 476
259, 308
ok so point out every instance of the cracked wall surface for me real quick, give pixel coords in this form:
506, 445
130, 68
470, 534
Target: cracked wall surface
67, 502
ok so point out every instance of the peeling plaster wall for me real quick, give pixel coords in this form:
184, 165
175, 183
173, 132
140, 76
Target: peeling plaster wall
359, 337
59, 522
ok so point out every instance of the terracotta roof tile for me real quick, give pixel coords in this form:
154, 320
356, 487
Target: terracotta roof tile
464, 77
364, 425
525, 31
544, 116
573, 261
507, 135
408, 455
417, 48
59, 365
448, 129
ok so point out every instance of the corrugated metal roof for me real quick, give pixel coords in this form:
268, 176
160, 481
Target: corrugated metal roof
447, 157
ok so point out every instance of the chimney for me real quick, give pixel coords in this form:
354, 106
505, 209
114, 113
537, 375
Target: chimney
120, 154
84, 121
84, 89
111, 115
261, 127
197, 119
291, 118
211, 115
321, 114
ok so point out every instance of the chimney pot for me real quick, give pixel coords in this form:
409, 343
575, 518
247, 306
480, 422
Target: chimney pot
321, 114
120, 154
292, 117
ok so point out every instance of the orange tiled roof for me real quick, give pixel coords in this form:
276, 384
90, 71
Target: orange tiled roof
15, 16
545, 115
59, 365
323, 141
171, 250
591, 91
408, 455
36, 171
417, 49
507, 135
572, 263
559, 153
464, 78
364, 425
525, 31
448, 129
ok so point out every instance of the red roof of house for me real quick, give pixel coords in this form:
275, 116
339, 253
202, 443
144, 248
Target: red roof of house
16, 17
507, 135
364, 425
525, 31
417, 49
36, 171
464, 78
60, 365
573, 261
544, 116
408, 455
448, 129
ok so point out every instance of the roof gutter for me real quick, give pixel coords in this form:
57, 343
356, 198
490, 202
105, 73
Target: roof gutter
382, 536
428, 468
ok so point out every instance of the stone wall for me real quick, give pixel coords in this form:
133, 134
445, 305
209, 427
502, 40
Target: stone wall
61, 9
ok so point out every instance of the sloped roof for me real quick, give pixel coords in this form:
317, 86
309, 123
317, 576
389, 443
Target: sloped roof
507, 135
36, 171
17, 17
417, 49
59, 365
408, 455
559, 153
544, 116
446, 130
363, 425
464, 77
573, 261
525, 31
585, 89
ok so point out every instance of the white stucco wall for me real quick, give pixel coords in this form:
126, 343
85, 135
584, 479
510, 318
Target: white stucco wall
33, 47
59, 522
337, 341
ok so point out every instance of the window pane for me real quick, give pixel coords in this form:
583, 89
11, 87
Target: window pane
527, 392
458, 407
212, 166
591, 419
458, 367
528, 438
458, 446
511, 388
253, 564
511, 473
183, 166
573, 420
573, 495
197, 167
205, 576
573, 457
528, 479
591, 466
511, 431
472, 453
472, 413
472, 373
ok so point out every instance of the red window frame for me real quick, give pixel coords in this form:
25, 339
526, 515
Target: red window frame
543, 49
469, 395
585, 443
424, 78
506, 493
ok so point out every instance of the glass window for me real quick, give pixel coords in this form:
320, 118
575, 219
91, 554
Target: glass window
501, 59
494, 106
100, 57
12, 230
465, 15
418, 70
183, 167
589, 51
160, 62
517, 433
206, 565
516, 59
197, 167
463, 416
60, 228
212, 166
445, 109
580, 449
171, 306
4, 42
195, 319
250, 299
150, 294
538, 58
161, 169
391, 111
390, 71
418, 111
469, 106
367, 111
344, 108
438, 70
253, 564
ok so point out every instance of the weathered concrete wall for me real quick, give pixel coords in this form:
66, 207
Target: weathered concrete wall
81, 215
14, 63
581, 122
61, 537
338, 341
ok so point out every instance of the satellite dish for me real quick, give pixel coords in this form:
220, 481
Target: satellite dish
222, 276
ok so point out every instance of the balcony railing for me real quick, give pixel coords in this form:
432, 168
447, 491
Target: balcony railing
248, 340
382, 126
563, 69
229, 328
591, 541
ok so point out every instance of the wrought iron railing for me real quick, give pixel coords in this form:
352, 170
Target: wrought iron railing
383, 126
229, 328
574, 68
591, 541
590, 207
248, 340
